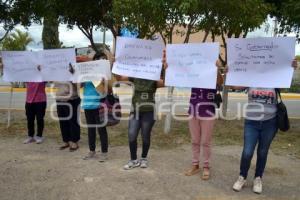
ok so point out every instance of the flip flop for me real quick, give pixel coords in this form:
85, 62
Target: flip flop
64, 147
72, 149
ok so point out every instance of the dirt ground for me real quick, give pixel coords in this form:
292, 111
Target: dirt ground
42, 172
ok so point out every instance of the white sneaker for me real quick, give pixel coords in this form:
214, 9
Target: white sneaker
132, 164
103, 157
29, 140
257, 185
144, 163
38, 140
91, 155
239, 184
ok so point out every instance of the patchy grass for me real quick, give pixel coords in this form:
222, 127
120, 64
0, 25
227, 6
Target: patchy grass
225, 133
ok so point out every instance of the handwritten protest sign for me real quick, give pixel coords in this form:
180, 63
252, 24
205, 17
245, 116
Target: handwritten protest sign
55, 64
138, 58
92, 71
192, 65
260, 62
21, 66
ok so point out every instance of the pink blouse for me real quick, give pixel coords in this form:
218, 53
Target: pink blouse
36, 92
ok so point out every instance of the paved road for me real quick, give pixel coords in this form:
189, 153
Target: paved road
180, 104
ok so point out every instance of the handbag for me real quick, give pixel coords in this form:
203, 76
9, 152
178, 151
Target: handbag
110, 110
283, 122
218, 98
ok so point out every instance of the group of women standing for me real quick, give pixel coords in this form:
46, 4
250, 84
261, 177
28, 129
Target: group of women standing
260, 126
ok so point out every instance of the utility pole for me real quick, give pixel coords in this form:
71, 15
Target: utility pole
275, 31
168, 119
104, 36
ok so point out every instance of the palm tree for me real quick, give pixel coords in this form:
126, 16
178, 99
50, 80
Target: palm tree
16, 41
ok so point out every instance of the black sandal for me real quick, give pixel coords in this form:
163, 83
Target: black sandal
64, 146
72, 149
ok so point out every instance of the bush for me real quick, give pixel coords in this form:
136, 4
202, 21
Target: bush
295, 87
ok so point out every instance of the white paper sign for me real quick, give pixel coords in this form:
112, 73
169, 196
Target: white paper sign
55, 64
21, 66
260, 62
92, 71
192, 65
138, 58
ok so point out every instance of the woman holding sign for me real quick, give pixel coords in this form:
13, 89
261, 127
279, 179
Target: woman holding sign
68, 101
202, 118
35, 107
142, 117
260, 128
36, 102
92, 93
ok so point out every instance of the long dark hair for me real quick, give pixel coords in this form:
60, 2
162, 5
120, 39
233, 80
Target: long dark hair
100, 55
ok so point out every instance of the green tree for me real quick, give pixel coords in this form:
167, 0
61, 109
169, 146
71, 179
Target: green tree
142, 16
6, 20
216, 18
287, 12
16, 41
164, 17
88, 16
233, 19
45, 12
50, 34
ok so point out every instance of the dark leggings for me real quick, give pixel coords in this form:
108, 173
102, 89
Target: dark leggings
35, 110
93, 122
145, 122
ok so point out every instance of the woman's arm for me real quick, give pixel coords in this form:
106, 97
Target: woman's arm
220, 79
237, 87
295, 64
101, 88
121, 78
161, 82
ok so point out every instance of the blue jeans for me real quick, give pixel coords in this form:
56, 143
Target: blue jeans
261, 132
143, 121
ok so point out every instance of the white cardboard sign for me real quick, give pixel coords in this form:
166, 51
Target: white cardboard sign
138, 58
260, 62
92, 71
192, 65
22, 65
